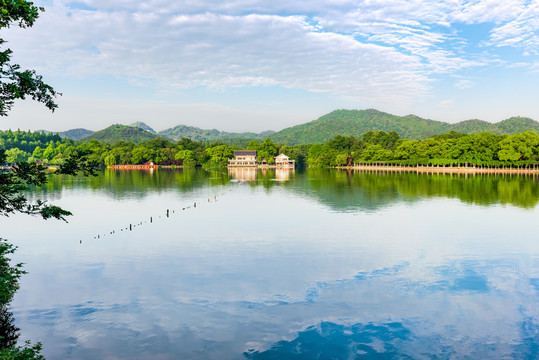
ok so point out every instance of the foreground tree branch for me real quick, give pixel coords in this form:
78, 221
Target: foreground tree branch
16, 83
17, 180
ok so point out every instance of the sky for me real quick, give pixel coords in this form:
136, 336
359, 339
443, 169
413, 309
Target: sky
248, 65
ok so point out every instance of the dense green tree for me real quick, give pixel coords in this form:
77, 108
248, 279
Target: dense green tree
519, 146
141, 155
9, 274
95, 149
188, 158
298, 153
387, 140
15, 181
37, 153
376, 152
340, 160
339, 142
168, 153
50, 151
267, 150
110, 160
487, 146
122, 152
407, 149
26, 141
187, 144
25, 352
16, 156
253, 145
219, 154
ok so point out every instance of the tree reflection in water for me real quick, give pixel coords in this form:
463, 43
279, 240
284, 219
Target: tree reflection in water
9, 333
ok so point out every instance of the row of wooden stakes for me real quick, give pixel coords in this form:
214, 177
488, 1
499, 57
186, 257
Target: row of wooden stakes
168, 213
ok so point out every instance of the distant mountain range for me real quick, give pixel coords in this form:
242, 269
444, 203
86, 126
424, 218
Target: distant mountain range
118, 132
75, 134
358, 122
338, 122
143, 126
194, 133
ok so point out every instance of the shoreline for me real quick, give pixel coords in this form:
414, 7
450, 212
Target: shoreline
133, 167
441, 169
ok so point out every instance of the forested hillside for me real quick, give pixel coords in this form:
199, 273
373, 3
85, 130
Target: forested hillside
118, 132
26, 140
73, 134
339, 122
358, 122
194, 133
143, 126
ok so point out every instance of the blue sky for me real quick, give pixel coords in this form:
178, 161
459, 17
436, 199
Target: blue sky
248, 65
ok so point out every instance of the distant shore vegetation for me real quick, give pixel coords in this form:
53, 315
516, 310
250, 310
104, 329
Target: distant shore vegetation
452, 148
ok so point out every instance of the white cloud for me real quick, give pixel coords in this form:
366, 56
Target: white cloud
535, 66
474, 12
374, 52
464, 84
220, 51
446, 103
520, 30
518, 65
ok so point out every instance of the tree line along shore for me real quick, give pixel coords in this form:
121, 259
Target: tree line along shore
374, 148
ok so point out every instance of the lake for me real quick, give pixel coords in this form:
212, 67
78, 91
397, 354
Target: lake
324, 264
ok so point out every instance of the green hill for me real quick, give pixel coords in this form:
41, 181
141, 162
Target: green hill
338, 122
118, 132
475, 126
518, 124
194, 133
358, 122
143, 126
74, 134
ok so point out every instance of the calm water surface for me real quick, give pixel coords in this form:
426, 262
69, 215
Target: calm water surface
304, 265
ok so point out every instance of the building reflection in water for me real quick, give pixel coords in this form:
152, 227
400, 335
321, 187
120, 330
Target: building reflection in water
283, 174
243, 173
251, 173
